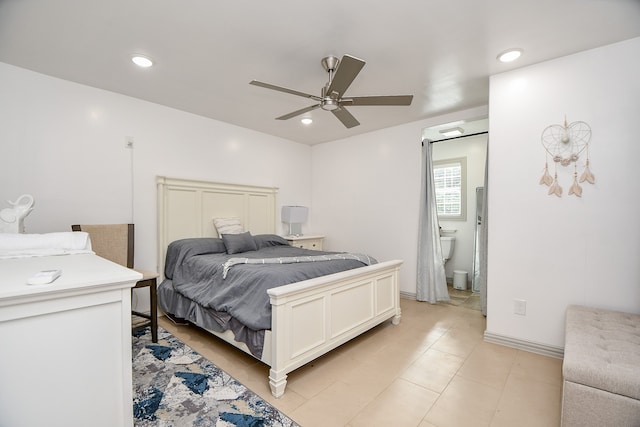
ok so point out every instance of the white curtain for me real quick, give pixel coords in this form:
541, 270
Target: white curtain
431, 279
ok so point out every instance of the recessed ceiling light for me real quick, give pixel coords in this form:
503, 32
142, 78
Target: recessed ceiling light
306, 121
510, 55
142, 61
452, 132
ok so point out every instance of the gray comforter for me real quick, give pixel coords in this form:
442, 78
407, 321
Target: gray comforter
197, 274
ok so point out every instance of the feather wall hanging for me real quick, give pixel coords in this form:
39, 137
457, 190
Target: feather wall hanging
564, 144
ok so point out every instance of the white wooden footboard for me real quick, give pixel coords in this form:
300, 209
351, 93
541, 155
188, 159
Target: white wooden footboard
312, 317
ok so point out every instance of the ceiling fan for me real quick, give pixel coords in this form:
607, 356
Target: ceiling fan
341, 75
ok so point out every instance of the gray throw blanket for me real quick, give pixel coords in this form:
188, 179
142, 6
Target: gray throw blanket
365, 259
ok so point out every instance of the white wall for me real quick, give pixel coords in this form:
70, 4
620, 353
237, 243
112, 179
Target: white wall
552, 251
474, 149
366, 191
64, 143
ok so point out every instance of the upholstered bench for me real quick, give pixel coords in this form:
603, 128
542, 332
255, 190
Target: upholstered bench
601, 368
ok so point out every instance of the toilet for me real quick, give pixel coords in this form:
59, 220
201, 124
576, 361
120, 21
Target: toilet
447, 244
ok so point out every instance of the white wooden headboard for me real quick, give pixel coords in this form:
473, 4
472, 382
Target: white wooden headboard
186, 208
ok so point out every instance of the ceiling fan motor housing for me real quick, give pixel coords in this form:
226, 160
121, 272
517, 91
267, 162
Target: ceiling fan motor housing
328, 102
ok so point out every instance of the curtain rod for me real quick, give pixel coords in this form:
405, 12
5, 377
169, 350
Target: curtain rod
456, 137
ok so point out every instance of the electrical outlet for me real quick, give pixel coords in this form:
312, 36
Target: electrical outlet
128, 142
520, 307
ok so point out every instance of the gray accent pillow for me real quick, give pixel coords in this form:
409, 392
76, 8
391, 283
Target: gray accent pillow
240, 242
266, 240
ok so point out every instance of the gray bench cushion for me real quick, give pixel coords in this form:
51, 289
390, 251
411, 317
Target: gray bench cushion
602, 350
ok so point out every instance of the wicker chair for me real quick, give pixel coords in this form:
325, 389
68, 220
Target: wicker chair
115, 242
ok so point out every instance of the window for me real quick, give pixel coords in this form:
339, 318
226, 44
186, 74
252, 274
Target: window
450, 182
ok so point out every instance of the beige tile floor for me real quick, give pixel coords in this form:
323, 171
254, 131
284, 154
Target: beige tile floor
433, 369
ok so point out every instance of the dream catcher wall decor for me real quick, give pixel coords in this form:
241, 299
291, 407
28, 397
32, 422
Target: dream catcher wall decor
565, 144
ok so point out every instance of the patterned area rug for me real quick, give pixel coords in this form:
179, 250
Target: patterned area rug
175, 386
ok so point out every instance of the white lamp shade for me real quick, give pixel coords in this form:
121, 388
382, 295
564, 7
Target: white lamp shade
294, 214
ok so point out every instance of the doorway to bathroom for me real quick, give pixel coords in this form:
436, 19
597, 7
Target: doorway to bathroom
459, 160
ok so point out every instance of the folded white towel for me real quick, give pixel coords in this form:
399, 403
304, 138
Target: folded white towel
17, 245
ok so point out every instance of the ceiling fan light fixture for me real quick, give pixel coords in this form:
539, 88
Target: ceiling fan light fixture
329, 104
452, 132
142, 61
510, 55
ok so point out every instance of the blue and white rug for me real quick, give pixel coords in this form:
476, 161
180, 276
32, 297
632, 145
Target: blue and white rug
175, 386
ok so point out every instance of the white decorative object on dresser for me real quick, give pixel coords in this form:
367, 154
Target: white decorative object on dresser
306, 242
67, 344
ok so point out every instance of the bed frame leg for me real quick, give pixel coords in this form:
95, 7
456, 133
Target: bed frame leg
395, 320
277, 383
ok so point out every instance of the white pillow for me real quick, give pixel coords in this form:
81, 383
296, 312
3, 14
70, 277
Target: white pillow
228, 226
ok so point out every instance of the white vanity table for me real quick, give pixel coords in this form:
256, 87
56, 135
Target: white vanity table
66, 346
311, 241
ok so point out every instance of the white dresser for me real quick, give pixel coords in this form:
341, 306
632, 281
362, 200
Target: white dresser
306, 241
66, 346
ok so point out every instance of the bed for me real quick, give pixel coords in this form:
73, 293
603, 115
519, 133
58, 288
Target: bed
308, 318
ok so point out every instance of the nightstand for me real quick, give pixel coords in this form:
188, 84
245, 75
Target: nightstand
310, 241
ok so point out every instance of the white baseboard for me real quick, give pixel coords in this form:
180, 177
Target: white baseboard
408, 295
530, 346
533, 347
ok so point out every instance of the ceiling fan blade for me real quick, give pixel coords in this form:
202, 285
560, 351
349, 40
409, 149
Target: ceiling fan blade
348, 69
378, 100
345, 117
283, 89
298, 112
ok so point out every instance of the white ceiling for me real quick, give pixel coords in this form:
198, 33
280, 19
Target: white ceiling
207, 51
